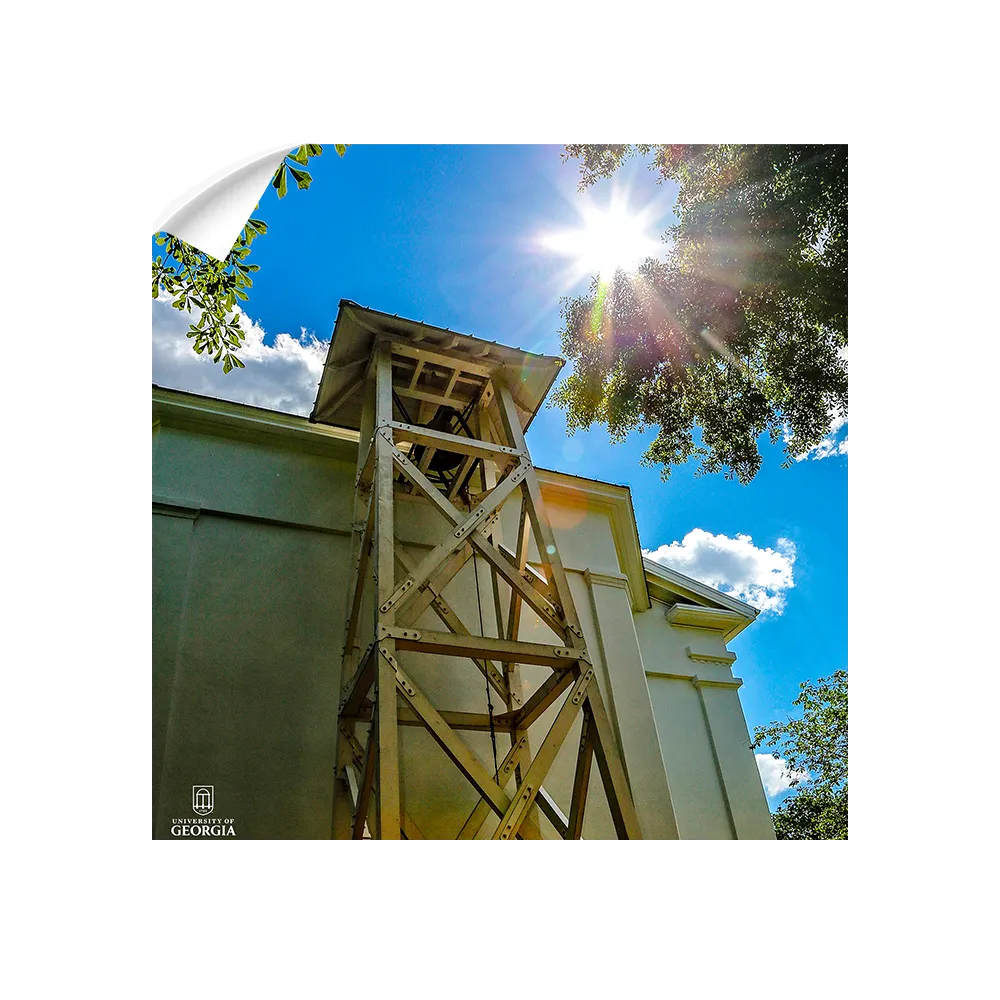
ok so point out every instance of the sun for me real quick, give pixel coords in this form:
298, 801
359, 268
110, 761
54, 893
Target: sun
608, 238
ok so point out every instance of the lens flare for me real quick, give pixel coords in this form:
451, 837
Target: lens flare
609, 238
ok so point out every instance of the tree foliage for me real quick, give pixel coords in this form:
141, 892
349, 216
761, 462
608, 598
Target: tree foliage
812, 814
192, 279
742, 330
815, 743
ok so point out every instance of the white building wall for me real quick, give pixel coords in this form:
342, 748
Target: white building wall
246, 688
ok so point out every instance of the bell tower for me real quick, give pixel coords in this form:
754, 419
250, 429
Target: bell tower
441, 417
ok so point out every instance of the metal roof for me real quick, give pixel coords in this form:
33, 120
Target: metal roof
339, 398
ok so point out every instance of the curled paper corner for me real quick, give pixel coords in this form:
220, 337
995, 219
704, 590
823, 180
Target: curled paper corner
211, 218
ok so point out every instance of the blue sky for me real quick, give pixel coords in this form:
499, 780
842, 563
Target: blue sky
451, 235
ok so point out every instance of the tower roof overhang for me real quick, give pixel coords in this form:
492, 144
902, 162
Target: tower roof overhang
339, 398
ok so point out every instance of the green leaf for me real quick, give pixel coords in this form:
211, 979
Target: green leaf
280, 182
340, 148
302, 178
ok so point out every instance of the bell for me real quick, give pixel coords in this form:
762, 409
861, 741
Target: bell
444, 461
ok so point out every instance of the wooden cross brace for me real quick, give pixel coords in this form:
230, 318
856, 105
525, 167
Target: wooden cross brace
378, 690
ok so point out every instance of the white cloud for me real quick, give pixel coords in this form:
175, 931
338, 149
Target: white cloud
775, 773
282, 376
733, 565
830, 445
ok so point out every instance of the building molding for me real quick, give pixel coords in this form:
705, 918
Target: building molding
707, 682
696, 680
727, 622
188, 411
192, 510
616, 580
172, 507
615, 502
727, 658
668, 585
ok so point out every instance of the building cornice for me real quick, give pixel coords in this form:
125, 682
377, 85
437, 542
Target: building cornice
671, 587
615, 502
734, 685
727, 659
617, 580
173, 408
728, 623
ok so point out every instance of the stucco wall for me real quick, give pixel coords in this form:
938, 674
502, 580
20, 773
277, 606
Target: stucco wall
249, 554
714, 783
250, 550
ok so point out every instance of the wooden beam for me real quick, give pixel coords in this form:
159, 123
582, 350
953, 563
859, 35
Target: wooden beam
357, 755
527, 791
356, 689
469, 463
477, 817
366, 466
435, 399
548, 552
463, 758
448, 644
552, 811
477, 722
341, 815
365, 787
581, 780
410, 829
531, 576
550, 689
512, 628
612, 773
346, 391
440, 356
541, 606
404, 367
359, 573
402, 433
354, 789
520, 561
387, 740
415, 608
466, 526
454, 624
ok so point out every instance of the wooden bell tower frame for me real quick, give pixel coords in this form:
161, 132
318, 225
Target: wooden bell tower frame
383, 606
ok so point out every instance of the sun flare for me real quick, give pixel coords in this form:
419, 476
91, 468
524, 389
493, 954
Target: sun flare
609, 238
